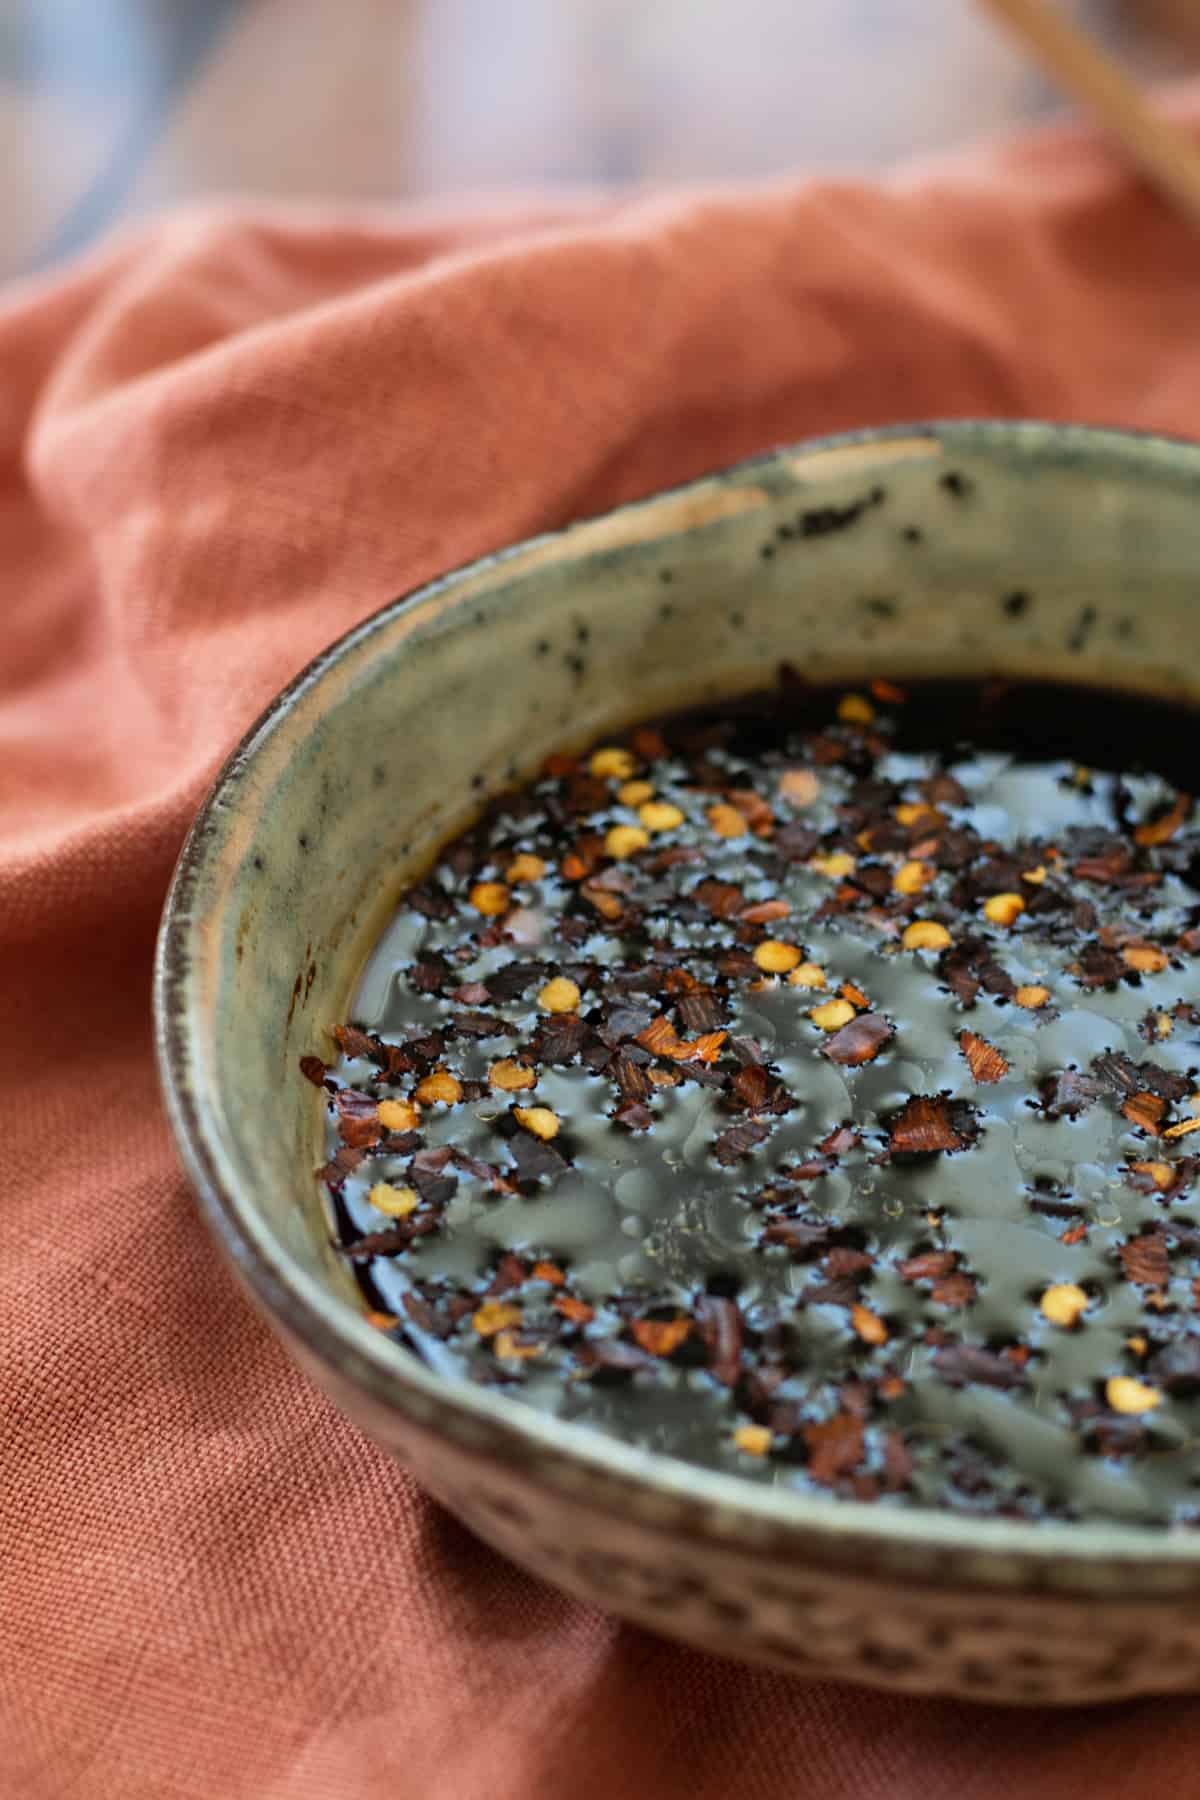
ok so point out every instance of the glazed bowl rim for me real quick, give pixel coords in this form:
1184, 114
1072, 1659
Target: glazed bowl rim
707, 1503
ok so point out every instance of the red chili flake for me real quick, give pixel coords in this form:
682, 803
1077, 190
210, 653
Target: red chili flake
1097, 967
1144, 1110
1157, 831
738, 1141
943, 790
314, 1070
609, 906
353, 1042
630, 1077
358, 1118
953, 1291
699, 1011
661, 1337
720, 1325
839, 1141
1074, 1234
558, 765
841, 1262
754, 809
929, 1265
720, 898
858, 1042
660, 1037
750, 1085
763, 911
1069, 1093
984, 1060
510, 1273
801, 1236
930, 1123
559, 1038
1124, 1077
835, 1447
548, 1271
578, 1311
704, 1049
343, 1162
389, 1243
1144, 1260
648, 743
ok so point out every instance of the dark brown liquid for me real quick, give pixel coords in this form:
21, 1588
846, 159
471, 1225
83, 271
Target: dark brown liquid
865, 1281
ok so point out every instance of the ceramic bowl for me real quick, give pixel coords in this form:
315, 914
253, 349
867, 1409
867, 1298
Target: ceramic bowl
901, 551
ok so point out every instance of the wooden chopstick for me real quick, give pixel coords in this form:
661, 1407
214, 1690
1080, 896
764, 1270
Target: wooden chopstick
1163, 151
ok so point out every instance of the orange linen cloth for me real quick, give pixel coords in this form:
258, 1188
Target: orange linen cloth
225, 438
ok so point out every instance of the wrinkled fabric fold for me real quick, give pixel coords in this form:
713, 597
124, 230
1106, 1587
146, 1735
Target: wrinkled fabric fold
225, 437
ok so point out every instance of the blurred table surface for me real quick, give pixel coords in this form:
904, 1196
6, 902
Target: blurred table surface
112, 108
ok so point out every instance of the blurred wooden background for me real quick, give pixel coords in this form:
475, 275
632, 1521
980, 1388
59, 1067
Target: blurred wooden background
109, 108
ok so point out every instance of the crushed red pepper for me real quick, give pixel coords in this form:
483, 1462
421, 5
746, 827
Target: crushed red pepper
777, 1241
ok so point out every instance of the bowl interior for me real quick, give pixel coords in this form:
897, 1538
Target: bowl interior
1019, 550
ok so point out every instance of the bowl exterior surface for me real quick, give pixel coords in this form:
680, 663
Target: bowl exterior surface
896, 552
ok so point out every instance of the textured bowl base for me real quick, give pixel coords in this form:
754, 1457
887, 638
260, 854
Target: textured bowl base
1020, 1650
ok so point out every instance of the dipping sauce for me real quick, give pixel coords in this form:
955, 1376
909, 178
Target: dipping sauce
810, 1090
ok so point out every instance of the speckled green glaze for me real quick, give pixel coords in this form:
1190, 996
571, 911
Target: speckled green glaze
904, 551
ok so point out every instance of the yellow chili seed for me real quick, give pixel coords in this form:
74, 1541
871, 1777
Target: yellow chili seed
511, 1076
810, 975
1184, 1128
621, 841
1137, 1344
1125, 1394
559, 996
926, 934
832, 1015
382, 1321
1164, 1025
1032, 996
398, 1115
491, 898
1147, 959
660, 815
869, 1326
632, 793
835, 865
1160, 1173
1003, 909
727, 821
441, 1088
395, 1202
911, 877
752, 1440
775, 957
1034, 876
855, 709
540, 1120
494, 1316
525, 867
1063, 1303
912, 810
612, 764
